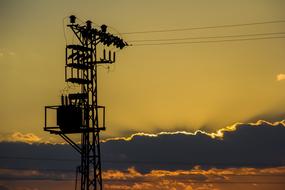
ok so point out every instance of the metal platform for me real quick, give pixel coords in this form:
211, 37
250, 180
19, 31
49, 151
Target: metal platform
78, 66
78, 81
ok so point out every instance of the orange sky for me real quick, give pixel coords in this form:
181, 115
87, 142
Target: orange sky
150, 88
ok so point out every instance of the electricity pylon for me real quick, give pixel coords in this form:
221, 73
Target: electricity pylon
79, 112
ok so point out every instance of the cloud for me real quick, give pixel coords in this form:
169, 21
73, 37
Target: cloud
6, 52
29, 137
259, 144
35, 175
194, 179
11, 53
20, 137
241, 155
2, 187
217, 134
280, 77
240, 145
35, 156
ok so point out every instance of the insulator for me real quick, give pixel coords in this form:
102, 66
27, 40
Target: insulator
104, 28
72, 19
108, 42
94, 31
88, 25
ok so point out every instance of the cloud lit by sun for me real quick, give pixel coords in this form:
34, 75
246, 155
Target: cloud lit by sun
280, 77
218, 134
28, 138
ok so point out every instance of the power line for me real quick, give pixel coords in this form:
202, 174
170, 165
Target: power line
38, 159
208, 37
143, 162
37, 169
204, 27
209, 41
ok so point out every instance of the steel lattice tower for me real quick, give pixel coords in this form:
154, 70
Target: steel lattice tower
79, 112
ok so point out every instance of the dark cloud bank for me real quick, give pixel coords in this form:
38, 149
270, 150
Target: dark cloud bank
248, 146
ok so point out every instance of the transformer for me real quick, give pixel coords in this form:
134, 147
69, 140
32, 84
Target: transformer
69, 118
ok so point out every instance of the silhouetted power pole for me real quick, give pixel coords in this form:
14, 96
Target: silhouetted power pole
79, 112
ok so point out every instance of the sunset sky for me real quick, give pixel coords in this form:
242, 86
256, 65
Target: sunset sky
198, 85
150, 88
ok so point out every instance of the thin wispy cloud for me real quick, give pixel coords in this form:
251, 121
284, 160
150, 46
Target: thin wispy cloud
20, 137
7, 56
7, 52
11, 53
29, 137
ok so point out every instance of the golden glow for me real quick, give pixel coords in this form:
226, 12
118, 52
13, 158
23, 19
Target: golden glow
33, 138
218, 134
197, 170
193, 179
152, 88
28, 138
184, 89
197, 178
